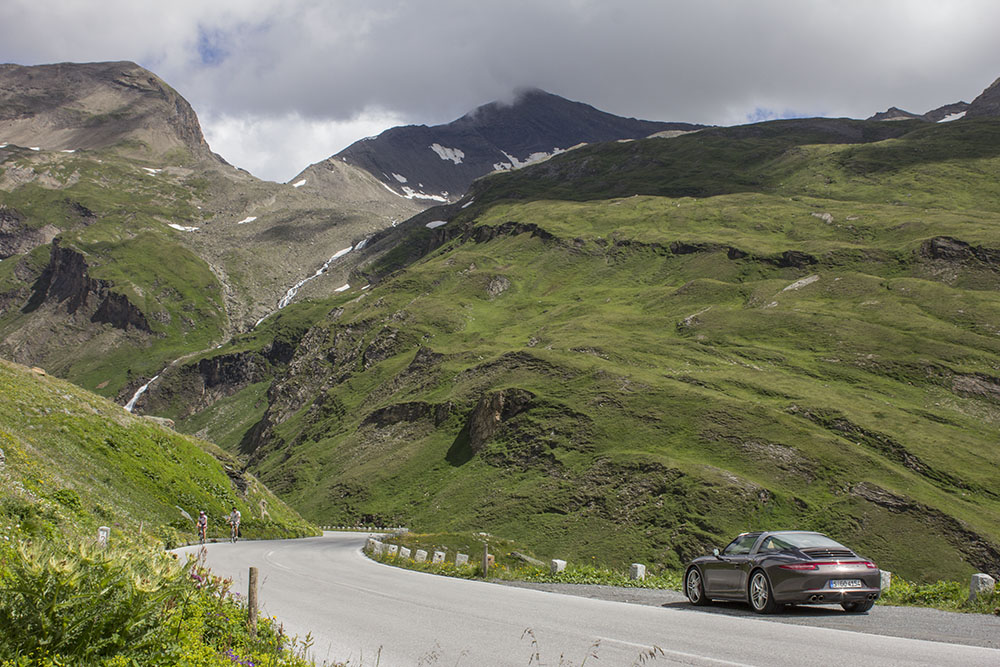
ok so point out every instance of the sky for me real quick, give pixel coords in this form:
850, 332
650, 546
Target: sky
281, 84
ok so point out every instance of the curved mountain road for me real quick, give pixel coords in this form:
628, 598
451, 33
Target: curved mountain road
366, 613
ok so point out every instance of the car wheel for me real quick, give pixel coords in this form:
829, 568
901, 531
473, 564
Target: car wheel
759, 594
858, 607
694, 587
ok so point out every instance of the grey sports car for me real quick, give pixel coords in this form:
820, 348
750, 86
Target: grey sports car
773, 569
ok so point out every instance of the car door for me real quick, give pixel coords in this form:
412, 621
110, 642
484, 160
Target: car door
725, 574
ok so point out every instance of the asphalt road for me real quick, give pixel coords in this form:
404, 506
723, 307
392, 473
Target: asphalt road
365, 613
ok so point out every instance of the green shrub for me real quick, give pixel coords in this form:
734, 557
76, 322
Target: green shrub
948, 595
79, 604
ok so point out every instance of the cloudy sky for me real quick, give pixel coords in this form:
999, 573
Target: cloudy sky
280, 84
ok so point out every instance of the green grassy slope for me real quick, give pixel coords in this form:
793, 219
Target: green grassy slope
774, 334
73, 461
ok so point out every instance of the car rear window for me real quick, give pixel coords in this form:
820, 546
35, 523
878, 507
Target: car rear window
799, 541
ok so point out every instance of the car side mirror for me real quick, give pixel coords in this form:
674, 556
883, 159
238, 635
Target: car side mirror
715, 552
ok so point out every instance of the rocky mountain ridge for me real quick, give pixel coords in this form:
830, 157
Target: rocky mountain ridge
438, 163
986, 104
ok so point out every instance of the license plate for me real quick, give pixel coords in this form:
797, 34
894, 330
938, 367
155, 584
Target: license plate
845, 583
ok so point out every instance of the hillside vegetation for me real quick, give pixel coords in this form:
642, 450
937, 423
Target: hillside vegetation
72, 461
634, 351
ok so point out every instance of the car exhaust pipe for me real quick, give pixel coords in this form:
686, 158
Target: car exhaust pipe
815, 598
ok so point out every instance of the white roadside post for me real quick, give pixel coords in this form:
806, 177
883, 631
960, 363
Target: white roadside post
637, 572
103, 534
885, 580
557, 566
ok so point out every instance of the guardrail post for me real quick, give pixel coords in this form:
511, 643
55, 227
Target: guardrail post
486, 559
252, 600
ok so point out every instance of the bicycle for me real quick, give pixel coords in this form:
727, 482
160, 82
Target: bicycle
234, 531
202, 534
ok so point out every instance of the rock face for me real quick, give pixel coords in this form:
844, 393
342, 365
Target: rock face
66, 281
492, 410
439, 163
73, 106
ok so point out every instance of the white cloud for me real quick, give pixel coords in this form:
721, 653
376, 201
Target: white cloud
278, 148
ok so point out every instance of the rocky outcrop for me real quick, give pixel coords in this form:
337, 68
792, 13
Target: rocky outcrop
492, 411
408, 412
17, 238
66, 281
954, 250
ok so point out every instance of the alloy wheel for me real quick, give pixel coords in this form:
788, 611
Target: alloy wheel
760, 593
693, 587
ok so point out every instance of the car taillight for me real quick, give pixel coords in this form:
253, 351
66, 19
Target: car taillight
870, 565
799, 566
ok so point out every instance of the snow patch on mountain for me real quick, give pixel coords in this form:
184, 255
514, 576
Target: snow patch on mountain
299, 184
400, 178
517, 163
445, 153
952, 116
249, 218
435, 224
182, 228
413, 194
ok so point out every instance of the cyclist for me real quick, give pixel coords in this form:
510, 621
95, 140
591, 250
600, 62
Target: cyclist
234, 524
202, 526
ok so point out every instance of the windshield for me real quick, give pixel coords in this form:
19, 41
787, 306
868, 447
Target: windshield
800, 541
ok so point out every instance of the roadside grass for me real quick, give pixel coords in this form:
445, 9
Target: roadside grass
943, 595
76, 603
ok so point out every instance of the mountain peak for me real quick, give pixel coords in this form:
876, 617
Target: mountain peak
439, 163
96, 105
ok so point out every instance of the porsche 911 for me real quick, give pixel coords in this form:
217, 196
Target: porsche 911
769, 570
